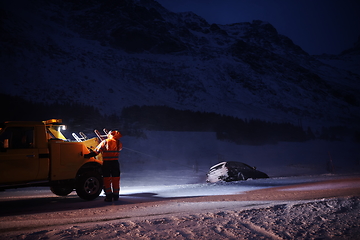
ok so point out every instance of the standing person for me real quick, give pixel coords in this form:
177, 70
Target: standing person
110, 149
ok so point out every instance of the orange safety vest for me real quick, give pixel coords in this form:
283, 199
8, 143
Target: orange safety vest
110, 149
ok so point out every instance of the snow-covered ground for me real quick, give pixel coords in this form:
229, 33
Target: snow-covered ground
161, 151
322, 207
164, 195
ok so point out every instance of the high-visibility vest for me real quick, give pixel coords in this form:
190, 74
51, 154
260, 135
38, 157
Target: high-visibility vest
110, 149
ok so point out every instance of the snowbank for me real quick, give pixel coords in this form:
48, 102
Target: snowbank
164, 195
327, 209
336, 218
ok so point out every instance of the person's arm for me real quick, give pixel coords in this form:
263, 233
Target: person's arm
91, 154
97, 150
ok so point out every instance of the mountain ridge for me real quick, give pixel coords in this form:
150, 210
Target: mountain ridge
114, 55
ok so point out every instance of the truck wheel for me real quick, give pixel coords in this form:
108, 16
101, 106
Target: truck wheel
89, 185
61, 190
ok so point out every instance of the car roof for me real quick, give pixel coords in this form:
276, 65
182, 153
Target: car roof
238, 164
216, 165
231, 163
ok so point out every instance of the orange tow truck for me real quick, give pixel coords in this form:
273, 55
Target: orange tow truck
38, 154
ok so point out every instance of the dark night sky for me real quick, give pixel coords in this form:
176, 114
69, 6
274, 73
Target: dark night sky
317, 26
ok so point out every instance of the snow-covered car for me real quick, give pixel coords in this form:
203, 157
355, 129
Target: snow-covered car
233, 171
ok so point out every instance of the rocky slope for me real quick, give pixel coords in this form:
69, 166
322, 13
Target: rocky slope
135, 52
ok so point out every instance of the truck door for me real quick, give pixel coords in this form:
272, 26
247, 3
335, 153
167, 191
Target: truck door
19, 159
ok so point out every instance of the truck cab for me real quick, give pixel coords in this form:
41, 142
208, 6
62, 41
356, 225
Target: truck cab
38, 154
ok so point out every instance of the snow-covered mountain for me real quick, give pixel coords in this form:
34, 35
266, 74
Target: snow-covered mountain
348, 59
115, 54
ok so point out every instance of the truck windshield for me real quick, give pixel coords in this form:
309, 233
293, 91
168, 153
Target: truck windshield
55, 132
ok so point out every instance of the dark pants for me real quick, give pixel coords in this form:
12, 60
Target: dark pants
111, 176
111, 169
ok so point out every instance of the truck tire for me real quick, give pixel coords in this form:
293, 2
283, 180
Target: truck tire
89, 185
61, 190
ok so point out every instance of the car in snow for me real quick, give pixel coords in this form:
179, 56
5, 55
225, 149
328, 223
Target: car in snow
233, 171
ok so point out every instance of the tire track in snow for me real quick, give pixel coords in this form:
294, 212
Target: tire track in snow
260, 230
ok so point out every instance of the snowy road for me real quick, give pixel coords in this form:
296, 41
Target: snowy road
39, 200
27, 210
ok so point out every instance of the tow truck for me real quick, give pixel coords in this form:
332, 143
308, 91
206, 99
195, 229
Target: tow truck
36, 153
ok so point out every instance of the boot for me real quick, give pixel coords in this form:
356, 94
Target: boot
107, 189
116, 187
108, 198
116, 197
